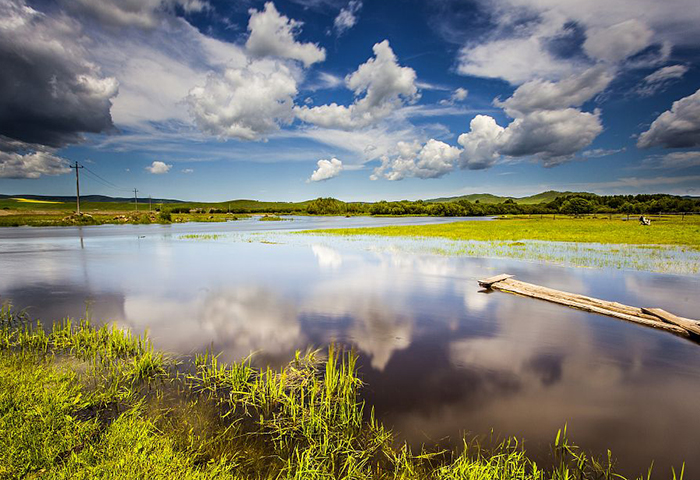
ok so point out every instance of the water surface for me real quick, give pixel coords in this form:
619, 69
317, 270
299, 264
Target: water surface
439, 357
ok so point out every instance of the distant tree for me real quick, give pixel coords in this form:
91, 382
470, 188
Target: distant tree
576, 206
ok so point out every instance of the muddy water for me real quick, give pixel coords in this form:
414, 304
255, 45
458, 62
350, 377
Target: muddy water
439, 357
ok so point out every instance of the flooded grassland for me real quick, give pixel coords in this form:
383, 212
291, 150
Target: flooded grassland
438, 357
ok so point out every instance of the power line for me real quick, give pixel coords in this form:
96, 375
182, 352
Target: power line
106, 182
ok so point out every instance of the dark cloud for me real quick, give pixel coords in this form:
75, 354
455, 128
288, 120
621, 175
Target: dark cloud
50, 93
678, 127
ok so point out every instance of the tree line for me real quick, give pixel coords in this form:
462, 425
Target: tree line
574, 204
577, 204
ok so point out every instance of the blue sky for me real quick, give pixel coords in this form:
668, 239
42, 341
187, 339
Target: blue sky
360, 100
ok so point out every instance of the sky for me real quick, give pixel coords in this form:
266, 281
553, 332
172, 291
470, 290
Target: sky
356, 99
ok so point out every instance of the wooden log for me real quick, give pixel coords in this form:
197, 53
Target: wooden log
691, 325
655, 318
487, 282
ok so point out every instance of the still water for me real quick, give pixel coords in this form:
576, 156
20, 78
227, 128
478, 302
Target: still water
439, 357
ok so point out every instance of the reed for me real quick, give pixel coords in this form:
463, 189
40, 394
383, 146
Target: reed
79, 401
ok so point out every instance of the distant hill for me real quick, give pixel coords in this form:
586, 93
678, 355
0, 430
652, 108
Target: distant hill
90, 198
488, 198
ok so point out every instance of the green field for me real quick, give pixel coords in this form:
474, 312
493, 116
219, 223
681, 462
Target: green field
80, 402
670, 230
41, 213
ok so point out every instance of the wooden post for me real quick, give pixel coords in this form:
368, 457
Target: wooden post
77, 187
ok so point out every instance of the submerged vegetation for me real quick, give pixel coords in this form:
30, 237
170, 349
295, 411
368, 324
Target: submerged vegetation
78, 401
670, 230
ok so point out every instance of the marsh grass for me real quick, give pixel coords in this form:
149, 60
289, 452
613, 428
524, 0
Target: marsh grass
272, 218
78, 401
672, 230
200, 236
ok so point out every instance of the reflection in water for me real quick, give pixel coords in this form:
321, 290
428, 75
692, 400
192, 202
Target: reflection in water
327, 257
235, 321
439, 357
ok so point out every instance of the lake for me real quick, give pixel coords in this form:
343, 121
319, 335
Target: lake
439, 357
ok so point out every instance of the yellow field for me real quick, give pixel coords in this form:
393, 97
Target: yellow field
28, 200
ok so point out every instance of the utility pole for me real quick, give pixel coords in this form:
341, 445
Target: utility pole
77, 186
136, 199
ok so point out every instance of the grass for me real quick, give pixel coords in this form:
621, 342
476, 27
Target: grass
272, 218
201, 236
671, 230
78, 401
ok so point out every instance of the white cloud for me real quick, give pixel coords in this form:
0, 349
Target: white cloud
481, 144
601, 152
31, 165
132, 13
245, 103
187, 170
660, 79
347, 18
459, 95
515, 60
675, 128
673, 161
554, 136
572, 91
159, 168
385, 84
432, 160
544, 126
157, 68
325, 80
617, 42
666, 73
273, 34
326, 170
518, 51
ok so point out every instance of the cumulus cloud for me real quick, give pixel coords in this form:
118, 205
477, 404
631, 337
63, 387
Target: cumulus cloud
326, 170
545, 126
617, 42
660, 79
572, 91
481, 144
380, 85
31, 164
552, 135
245, 103
273, 34
159, 168
347, 18
432, 160
675, 128
50, 93
157, 69
187, 170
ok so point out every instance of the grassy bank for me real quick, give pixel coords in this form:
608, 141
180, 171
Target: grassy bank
671, 230
82, 402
